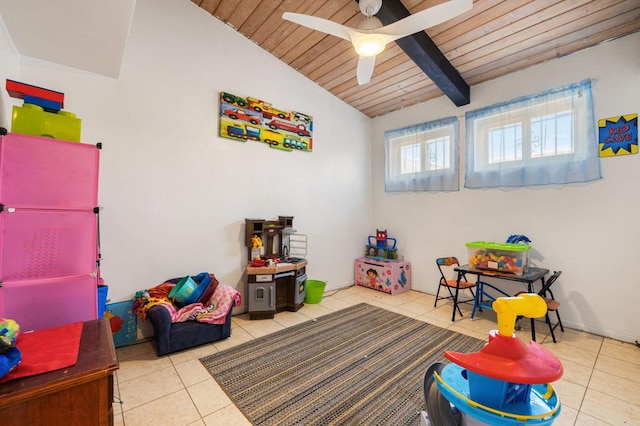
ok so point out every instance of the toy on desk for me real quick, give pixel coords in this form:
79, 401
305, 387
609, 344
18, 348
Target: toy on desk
42, 114
500, 257
10, 355
505, 383
518, 238
381, 246
256, 245
256, 242
9, 330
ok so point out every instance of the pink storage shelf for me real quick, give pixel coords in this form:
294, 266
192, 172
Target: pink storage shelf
47, 243
45, 303
44, 173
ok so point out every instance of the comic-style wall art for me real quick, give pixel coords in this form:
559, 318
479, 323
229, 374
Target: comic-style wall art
618, 135
249, 118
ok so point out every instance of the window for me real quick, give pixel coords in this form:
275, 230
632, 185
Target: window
423, 157
548, 138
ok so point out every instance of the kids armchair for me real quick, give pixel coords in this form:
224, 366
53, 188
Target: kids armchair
173, 337
180, 327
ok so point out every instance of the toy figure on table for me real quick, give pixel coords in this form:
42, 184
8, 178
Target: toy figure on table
256, 244
381, 246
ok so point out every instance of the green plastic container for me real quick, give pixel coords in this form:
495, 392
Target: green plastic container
314, 291
501, 257
181, 293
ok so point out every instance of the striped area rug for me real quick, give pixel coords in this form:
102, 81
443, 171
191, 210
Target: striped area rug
359, 366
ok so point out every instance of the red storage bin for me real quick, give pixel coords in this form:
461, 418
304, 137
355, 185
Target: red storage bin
43, 173
47, 243
50, 302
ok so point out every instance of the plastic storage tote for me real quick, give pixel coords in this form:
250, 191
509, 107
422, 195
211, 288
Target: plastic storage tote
500, 257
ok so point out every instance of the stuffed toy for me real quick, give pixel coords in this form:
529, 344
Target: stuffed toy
10, 355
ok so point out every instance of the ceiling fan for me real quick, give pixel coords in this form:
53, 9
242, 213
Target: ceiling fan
371, 37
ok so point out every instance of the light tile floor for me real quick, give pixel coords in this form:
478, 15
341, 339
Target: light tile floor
600, 386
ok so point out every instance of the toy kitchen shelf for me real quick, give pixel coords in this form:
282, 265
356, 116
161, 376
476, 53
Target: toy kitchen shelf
277, 288
279, 285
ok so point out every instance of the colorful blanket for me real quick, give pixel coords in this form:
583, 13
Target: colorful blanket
215, 311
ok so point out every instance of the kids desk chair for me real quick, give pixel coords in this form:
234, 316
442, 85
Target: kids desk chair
446, 266
552, 305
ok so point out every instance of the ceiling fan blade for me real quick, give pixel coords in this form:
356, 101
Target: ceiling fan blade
365, 69
427, 18
319, 24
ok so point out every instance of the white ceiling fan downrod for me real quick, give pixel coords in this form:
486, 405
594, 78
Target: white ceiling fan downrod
370, 7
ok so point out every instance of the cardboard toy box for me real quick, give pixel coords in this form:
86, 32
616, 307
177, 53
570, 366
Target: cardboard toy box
389, 276
499, 257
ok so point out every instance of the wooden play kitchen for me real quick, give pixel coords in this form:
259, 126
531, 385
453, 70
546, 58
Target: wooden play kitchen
276, 280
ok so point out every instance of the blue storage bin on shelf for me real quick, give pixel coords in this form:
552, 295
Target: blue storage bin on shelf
103, 290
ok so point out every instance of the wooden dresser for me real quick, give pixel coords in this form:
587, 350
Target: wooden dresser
78, 395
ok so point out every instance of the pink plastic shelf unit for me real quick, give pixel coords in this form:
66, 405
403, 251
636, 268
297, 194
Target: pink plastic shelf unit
45, 303
47, 243
26, 178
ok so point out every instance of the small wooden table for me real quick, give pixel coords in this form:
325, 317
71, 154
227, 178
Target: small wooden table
78, 395
530, 277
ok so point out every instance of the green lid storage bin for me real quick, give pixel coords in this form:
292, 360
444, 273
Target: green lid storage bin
500, 257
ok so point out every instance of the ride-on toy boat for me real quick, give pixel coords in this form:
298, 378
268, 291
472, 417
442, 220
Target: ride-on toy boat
505, 383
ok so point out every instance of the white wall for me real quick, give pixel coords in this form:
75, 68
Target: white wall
589, 231
8, 66
175, 195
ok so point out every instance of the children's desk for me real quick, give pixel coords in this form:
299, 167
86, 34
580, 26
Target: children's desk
77, 395
530, 277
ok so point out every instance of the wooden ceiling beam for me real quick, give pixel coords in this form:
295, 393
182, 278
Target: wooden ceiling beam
424, 52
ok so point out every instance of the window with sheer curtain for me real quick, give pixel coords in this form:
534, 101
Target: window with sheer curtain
422, 157
543, 139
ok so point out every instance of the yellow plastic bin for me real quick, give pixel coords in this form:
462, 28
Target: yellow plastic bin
314, 291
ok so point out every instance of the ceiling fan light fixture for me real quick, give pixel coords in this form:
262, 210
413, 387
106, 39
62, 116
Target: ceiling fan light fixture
371, 37
370, 44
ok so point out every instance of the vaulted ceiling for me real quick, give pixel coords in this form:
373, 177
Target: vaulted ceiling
493, 39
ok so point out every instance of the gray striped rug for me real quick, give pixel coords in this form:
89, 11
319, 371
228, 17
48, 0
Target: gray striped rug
359, 366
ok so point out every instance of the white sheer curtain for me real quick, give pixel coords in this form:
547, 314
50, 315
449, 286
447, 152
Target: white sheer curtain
543, 139
423, 157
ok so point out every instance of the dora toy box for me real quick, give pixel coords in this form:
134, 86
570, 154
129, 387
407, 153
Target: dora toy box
389, 276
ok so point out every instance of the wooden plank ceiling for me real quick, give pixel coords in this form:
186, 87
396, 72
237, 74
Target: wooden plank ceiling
495, 38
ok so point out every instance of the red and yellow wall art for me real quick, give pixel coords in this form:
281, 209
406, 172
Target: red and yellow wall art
243, 119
